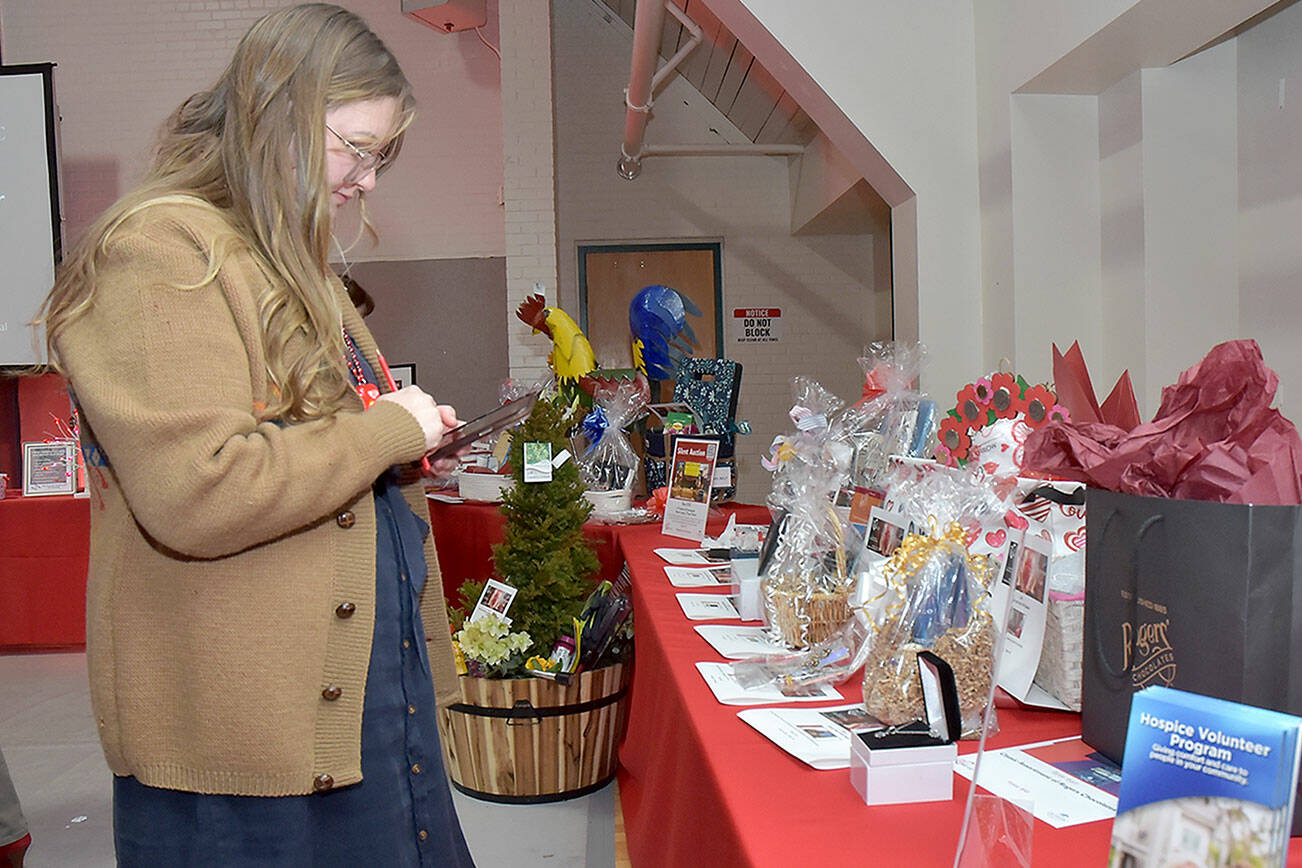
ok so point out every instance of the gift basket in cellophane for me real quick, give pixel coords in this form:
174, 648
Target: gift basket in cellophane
806, 585
892, 418
932, 593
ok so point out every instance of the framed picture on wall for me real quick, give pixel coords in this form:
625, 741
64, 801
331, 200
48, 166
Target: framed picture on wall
49, 468
403, 375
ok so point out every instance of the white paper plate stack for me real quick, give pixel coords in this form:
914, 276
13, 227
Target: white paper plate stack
486, 487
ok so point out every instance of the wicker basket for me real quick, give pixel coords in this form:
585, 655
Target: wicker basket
805, 618
1060, 655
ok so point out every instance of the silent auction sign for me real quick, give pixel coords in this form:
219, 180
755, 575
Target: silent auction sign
757, 325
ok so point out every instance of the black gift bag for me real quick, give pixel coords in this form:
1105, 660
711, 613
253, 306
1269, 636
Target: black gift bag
1193, 595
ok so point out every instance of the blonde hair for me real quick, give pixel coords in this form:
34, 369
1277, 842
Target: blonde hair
253, 147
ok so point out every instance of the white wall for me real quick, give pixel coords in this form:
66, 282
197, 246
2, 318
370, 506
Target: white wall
1056, 225
1270, 197
1122, 218
1190, 214
123, 66
825, 285
903, 74
1145, 258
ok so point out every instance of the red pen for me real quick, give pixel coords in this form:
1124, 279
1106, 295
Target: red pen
393, 387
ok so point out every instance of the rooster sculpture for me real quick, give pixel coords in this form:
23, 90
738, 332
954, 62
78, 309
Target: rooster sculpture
662, 337
571, 357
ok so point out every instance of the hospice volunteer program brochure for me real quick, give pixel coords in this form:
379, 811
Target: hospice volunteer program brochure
1205, 782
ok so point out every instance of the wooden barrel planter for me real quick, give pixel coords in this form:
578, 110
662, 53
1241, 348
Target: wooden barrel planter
529, 740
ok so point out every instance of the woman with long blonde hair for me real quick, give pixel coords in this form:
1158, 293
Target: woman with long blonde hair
266, 634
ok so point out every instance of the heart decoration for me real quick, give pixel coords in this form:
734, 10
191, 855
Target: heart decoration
995, 538
1075, 541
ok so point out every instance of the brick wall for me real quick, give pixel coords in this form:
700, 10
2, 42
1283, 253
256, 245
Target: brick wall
527, 174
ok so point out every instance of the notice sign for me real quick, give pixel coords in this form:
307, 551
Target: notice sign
757, 325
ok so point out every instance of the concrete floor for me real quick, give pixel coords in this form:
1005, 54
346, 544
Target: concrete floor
49, 742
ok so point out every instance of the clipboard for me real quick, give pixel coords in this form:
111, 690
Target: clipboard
492, 422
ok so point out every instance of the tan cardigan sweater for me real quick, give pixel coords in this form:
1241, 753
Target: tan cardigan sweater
224, 549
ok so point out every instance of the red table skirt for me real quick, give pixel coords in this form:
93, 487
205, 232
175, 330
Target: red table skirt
44, 548
699, 787
465, 533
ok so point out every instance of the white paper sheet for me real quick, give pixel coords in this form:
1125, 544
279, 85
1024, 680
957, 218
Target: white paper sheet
684, 557
707, 607
726, 689
811, 735
738, 643
1058, 797
1025, 576
700, 577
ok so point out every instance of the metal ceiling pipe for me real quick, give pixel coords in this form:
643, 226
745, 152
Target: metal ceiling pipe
722, 150
685, 49
648, 27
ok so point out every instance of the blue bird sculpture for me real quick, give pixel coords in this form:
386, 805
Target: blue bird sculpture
662, 337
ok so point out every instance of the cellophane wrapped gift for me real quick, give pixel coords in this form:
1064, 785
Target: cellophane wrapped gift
938, 588
892, 417
609, 463
928, 491
803, 673
806, 585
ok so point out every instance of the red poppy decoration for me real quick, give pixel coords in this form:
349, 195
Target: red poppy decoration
1039, 402
954, 436
979, 404
971, 408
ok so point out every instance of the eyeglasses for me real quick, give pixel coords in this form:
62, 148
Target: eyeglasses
367, 161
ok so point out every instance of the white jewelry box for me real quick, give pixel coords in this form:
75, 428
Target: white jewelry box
912, 762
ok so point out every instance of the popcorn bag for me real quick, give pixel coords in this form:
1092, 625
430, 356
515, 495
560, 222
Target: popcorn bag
1059, 508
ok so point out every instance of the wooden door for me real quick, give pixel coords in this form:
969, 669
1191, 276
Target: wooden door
610, 275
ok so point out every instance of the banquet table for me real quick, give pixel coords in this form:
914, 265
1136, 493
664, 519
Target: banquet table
44, 547
700, 787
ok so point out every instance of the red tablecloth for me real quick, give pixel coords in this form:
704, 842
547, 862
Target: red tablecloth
44, 548
465, 533
699, 787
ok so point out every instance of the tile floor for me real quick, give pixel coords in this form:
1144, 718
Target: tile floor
49, 742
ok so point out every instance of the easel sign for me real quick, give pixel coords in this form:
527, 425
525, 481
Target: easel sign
49, 468
691, 478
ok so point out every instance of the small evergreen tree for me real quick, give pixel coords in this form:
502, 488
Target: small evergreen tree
544, 552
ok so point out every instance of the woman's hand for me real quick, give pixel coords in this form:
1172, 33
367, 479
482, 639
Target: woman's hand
434, 419
443, 467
